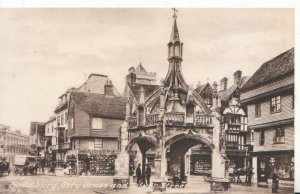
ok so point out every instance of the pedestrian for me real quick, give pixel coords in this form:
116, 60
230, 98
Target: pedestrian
275, 182
138, 174
249, 176
148, 174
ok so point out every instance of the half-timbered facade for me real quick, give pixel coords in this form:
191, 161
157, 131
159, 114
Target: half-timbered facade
234, 120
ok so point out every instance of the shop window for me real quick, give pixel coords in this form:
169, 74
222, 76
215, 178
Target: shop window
257, 110
262, 137
97, 123
279, 136
276, 104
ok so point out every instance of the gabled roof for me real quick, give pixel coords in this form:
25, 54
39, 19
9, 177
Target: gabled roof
100, 105
224, 95
140, 69
201, 88
61, 107
280, 66
136, 90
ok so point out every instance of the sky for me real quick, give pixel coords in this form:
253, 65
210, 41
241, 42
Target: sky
43, 52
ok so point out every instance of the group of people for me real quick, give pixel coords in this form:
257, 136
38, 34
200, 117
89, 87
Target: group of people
143, 178
4, 165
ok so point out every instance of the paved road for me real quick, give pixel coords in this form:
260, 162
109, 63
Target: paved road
102, 185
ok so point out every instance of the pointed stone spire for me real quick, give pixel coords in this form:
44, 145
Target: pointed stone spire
175, 33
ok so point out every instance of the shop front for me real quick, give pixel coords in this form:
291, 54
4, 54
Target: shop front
281, 161
200, 163
93, 162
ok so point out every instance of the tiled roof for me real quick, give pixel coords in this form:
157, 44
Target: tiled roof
278, 67
61, 107
225, 94
100, 105
148, 90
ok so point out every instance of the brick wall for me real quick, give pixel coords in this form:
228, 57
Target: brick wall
81, 122
266, 116
269, 135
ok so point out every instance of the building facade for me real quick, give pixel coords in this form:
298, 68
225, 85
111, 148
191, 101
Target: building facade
50, 141
94, 131
12, 143
59, 139
234, 120
269, 98
37, 139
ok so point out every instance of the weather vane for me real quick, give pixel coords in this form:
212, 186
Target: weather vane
175, 15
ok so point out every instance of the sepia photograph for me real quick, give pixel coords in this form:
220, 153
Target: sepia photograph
147, 100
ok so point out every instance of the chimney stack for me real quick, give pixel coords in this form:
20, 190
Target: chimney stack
237, 76
109, 88
223, 83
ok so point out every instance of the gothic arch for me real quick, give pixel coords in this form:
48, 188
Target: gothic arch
144, 143
189, 136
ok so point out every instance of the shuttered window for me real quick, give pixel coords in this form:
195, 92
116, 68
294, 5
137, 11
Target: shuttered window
97, 123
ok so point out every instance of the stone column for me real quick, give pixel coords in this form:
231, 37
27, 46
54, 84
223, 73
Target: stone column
218, 163
122, 161
188, 163
254, 166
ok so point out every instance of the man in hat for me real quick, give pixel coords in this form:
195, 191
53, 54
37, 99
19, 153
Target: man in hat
138, 173
275, 182
148, 174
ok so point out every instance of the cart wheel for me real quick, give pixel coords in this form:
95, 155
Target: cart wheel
231, 179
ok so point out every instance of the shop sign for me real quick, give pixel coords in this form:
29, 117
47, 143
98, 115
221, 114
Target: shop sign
104, 152
91, 146
72, 152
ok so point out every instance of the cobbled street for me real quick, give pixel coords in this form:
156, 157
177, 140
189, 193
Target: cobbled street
102, 184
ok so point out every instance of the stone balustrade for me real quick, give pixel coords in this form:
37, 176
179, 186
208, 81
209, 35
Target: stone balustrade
173, 118
203, 120
151, 119
132, 122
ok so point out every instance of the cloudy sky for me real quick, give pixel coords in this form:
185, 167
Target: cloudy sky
45, 51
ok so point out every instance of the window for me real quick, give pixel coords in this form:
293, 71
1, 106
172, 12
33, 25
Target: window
252, 135
276, 104
66, 117
58, 121
262, 137
279, 136
97, 123
235, 119
257, 110
62, 119
71, 123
